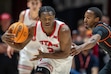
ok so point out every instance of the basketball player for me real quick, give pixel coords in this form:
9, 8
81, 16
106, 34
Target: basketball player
54, 38
28, 16
101, 34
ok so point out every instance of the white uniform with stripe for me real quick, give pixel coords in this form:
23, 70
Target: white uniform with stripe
29, 50
52, 44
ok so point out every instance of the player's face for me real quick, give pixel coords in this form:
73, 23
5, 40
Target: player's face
89, 18
34, 5
47, 19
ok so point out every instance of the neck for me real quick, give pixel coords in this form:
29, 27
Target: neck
33, 15
49, 30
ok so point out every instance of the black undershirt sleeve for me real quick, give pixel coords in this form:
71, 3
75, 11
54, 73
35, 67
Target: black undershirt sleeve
103, 32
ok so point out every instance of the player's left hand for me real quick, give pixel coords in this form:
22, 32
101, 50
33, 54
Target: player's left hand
39, 56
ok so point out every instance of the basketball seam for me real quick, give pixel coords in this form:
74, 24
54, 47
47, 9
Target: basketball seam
15, 28
20, 34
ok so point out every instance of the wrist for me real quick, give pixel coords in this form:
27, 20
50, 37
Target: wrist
81, 48
43, 55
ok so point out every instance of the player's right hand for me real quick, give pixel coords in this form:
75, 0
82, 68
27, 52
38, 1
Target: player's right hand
8, 37
10, 51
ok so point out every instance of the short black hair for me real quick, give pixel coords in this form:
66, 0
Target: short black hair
97, 12
46, 9
30, 0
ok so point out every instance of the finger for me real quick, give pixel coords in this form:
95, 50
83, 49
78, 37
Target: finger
9, 54
74, 52
9, 35
39, 50
73, 44
12, 51
35, 55
33, 59
10, 41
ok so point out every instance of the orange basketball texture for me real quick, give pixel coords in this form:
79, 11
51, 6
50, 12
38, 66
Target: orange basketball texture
20, 30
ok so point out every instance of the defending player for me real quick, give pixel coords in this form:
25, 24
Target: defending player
101, 34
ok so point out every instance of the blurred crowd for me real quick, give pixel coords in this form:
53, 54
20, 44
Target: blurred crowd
7, 65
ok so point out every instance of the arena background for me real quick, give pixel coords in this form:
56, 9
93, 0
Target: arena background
69, 11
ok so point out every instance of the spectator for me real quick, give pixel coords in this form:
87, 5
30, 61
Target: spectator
7, 65
105, 19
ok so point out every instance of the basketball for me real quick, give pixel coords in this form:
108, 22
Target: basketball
20, 30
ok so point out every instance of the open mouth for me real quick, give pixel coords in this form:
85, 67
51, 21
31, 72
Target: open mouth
86, 25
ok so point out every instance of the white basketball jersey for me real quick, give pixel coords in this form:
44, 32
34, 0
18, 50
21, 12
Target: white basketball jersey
32, 46
27, 20
51, 44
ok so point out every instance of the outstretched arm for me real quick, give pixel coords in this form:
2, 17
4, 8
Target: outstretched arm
91, 42
10, 50
87, 45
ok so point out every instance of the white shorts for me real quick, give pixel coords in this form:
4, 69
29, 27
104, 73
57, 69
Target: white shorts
25, 65
56, 66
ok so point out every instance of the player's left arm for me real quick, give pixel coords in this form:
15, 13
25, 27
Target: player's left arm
87, 45
65, 45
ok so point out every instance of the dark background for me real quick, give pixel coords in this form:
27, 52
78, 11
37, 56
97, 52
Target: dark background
69, 16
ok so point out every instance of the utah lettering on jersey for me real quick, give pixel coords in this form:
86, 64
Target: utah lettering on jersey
48, 43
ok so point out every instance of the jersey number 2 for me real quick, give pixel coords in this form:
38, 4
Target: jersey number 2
50, 49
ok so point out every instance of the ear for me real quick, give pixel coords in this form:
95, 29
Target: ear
96, 19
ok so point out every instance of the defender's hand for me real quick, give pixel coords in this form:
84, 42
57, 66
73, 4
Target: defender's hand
75, 50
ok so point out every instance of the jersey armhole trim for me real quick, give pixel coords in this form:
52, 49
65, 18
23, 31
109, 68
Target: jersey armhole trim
59, 30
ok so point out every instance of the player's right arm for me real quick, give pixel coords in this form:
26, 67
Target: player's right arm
10, 50
7, 38
98, 32
87, 45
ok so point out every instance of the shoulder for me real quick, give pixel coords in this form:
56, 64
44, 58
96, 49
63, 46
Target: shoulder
22, 13
99, 28
64, 28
